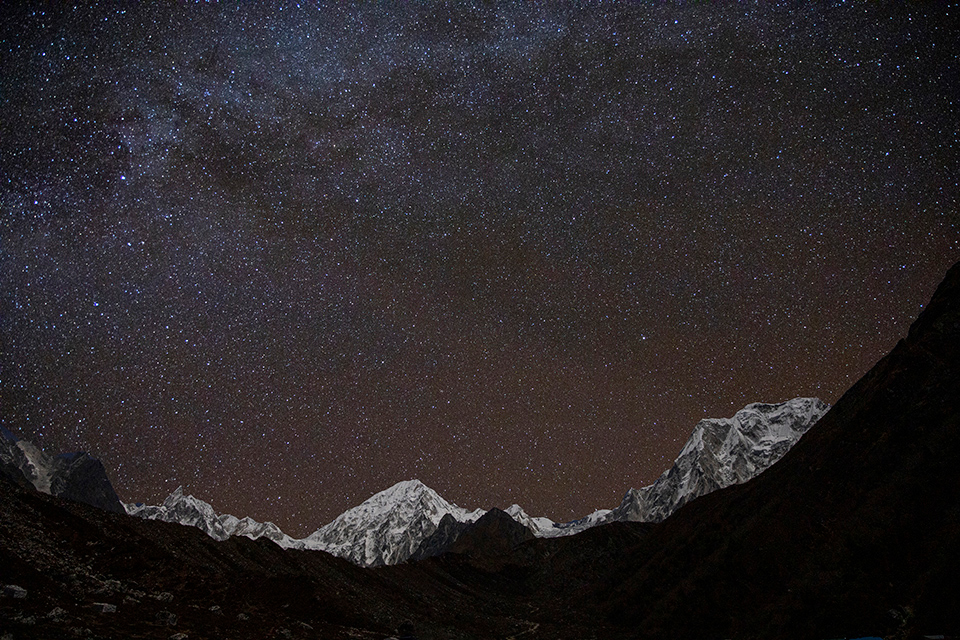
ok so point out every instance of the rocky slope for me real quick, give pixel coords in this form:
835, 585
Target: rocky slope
442, 538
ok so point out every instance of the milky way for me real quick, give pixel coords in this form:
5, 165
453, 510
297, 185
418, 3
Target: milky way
289, 257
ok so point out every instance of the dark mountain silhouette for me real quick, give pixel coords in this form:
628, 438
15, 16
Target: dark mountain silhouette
854, 532
494, 535
442, 539
82, 478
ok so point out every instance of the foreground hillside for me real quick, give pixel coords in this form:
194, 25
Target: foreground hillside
163, 579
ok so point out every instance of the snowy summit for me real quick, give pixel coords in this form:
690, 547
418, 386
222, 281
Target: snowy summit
388, 527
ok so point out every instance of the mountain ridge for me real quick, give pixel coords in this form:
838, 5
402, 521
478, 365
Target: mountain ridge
76, 476
721, 452
861, 517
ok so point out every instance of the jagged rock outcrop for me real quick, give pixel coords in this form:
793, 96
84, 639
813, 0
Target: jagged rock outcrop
442, 539
190, 511
74, 476
183, 509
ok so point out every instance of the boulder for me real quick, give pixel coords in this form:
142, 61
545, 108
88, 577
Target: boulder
14, 591
167, 618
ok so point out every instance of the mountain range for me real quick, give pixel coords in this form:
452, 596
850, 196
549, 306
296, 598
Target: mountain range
391, 526
853, 533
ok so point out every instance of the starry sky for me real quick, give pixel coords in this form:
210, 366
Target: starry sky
288, 256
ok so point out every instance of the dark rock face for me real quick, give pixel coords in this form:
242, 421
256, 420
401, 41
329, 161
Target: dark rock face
492, 537
494, 534
82, 478
75, 476
442, 539
10, 473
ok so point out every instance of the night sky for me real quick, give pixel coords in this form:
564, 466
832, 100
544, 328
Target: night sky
289, 257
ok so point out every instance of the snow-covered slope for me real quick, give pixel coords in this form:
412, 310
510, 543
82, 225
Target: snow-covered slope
388, 527
252, 529
719, 453
385, 529
193, 512
599, 516
539, 526
547, 528
185, 510
722, 452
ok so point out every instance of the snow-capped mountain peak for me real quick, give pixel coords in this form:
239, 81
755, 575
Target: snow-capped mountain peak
384, 529
76, 476
388, 527
721, 452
